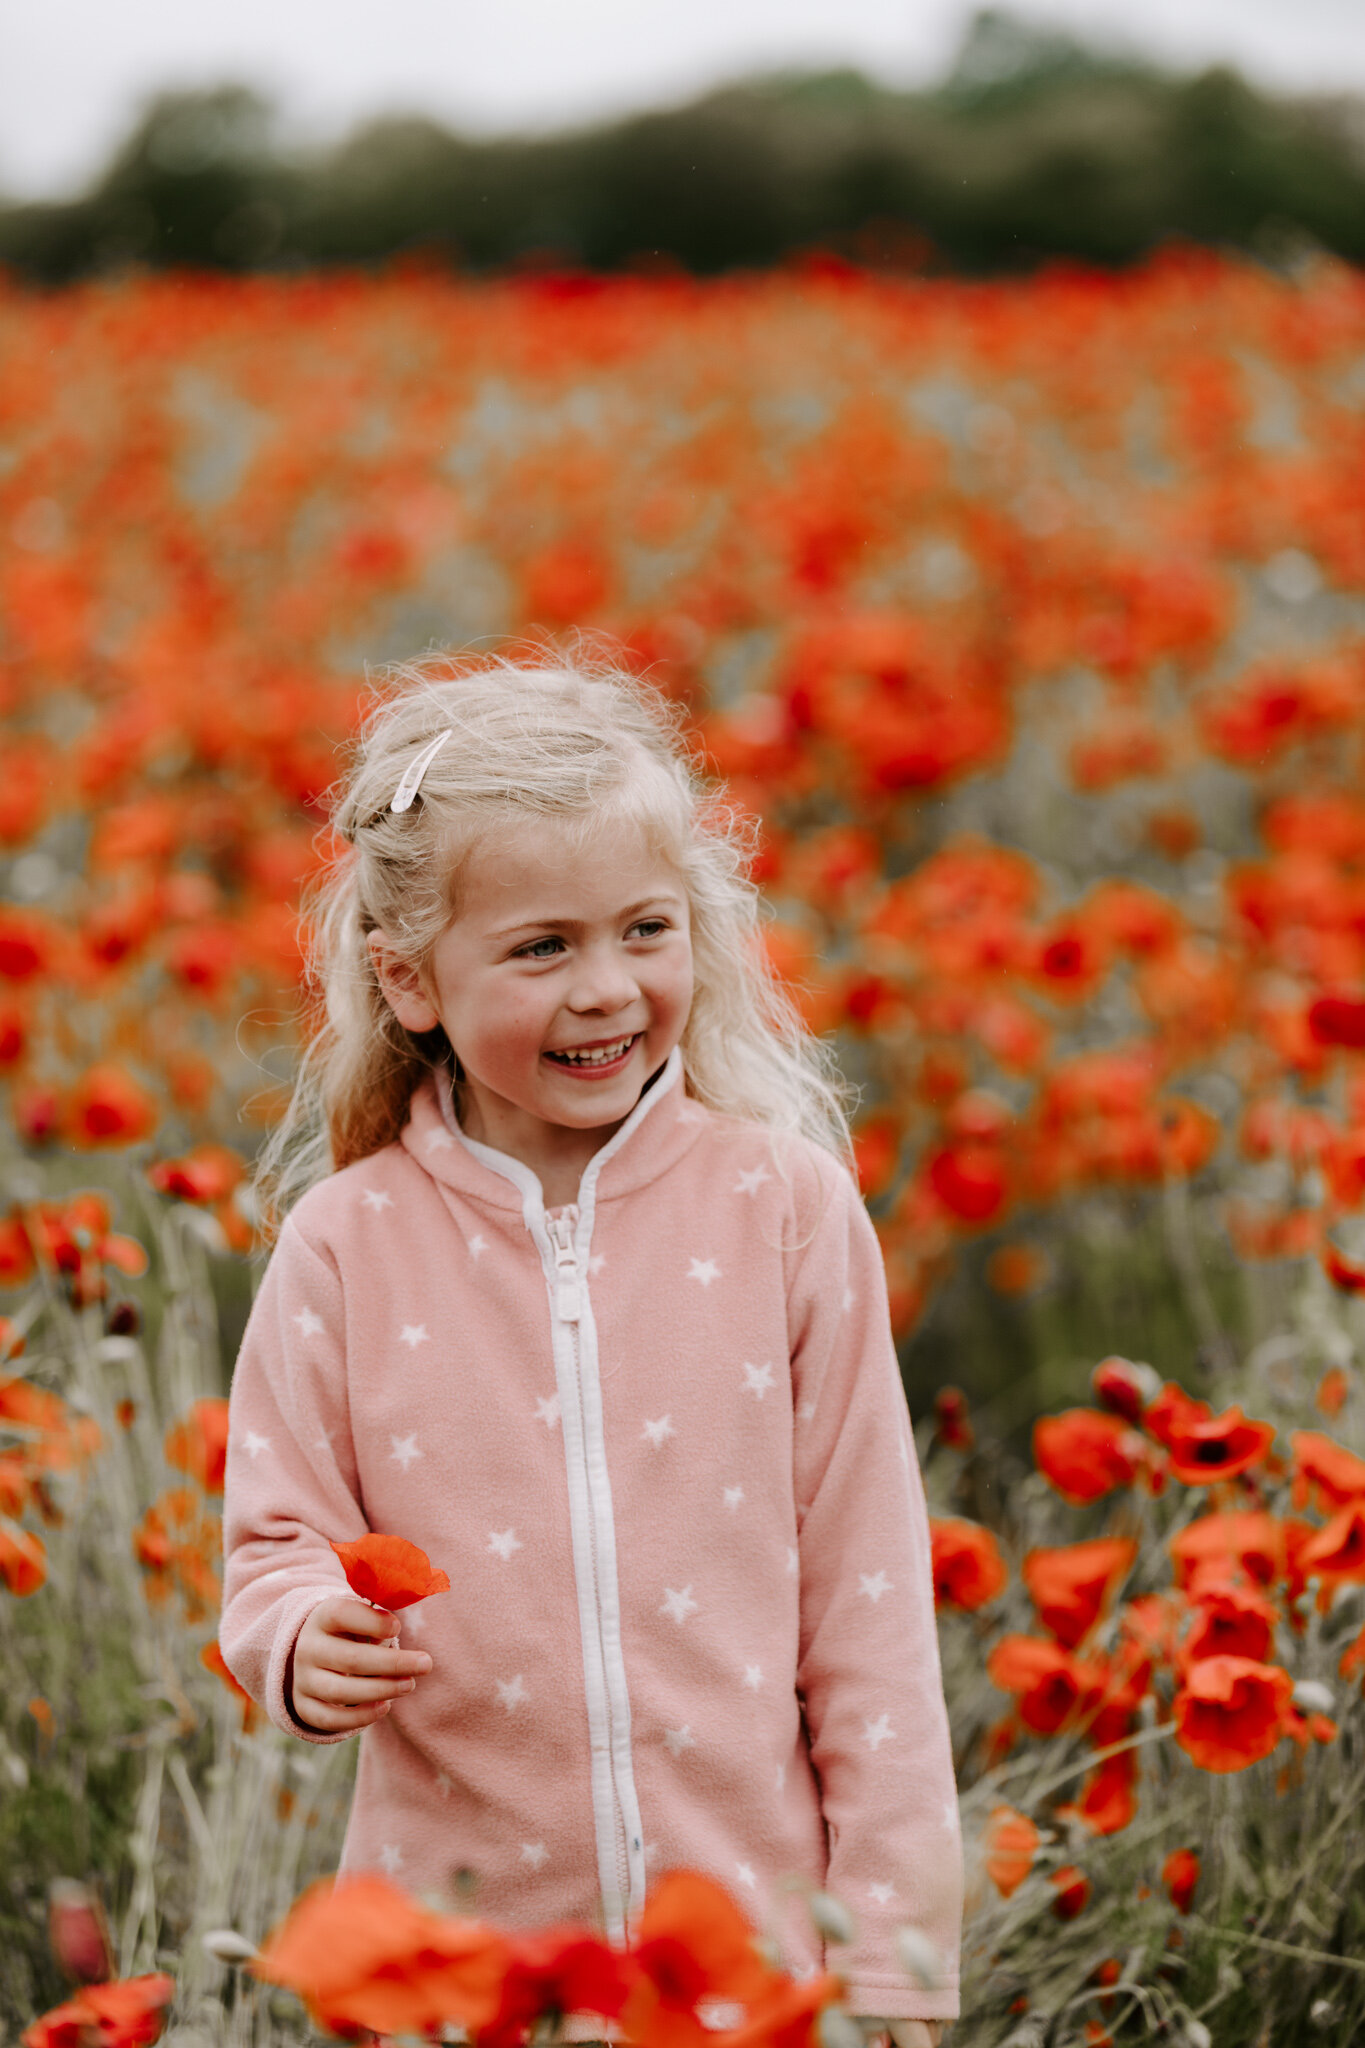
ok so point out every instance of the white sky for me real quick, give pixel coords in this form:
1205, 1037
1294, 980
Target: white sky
73, 73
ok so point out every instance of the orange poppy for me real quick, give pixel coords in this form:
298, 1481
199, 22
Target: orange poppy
388, 1571
1011, 1846
128, 2013
1325, 1471
1054, 1689
968, 1568
1229, 1621
1250, 1541
1085, 1453
361, 1954
212, 1659
197, 1444
1171, 1410
1108, 1798
207, 1174
1180, 1875
1337, 1551
1071, 1586
694, 1948
1217, 1448
1231, 1711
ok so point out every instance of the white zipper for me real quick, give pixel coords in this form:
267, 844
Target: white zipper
620, 1872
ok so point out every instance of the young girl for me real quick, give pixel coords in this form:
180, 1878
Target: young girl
581, 1298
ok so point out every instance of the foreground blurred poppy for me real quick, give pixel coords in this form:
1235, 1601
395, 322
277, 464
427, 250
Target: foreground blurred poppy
1231, 1711
1085, 1453
695, 1948
1011, 1845
968, 1567
558, 1971
361, 1954
388, 1571
1071, 1586
126, 2014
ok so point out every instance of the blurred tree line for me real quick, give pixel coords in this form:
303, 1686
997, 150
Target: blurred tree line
1035, 146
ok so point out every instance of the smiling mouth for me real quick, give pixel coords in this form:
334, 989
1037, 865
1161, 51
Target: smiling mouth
590, 1056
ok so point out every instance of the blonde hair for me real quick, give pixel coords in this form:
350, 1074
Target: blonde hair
572, 738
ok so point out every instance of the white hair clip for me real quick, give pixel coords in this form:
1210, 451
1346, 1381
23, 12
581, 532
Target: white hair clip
412, 779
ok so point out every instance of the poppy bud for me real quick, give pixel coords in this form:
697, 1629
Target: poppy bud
831, 1916
918, 1957
77, 1931
1312, 1697
227, 1946
835, 2029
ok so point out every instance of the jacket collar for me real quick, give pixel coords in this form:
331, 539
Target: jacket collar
664, 1124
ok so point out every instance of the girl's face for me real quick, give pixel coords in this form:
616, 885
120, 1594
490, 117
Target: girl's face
563, 984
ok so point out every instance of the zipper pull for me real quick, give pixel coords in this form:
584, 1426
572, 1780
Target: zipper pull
567, 1300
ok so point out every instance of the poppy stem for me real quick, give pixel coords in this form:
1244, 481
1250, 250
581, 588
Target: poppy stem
1279, 1948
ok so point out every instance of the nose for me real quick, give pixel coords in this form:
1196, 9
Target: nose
604, 981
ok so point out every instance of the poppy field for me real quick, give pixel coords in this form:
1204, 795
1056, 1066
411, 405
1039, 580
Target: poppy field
1027, 622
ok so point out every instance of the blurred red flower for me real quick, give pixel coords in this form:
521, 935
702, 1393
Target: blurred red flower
128, 2013
557, 1971
1231, 1711
1180, 1875
1071, 1586
968, 1568
1054, 1689
1229, 1621
1217, 1448
1072, 1888
197, 1444
1085, 1453
1011, 1846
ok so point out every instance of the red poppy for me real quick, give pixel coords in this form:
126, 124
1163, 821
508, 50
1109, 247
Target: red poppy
1124, 1387
971, 1180
556, 1971
1229, 1621
108, 1107
1180, 1875
1108, 1798
1333, 1391
197, 1444
1071, 1587
1231, 1711
1338, 1020
1217, 1448
1011, 1846
1216, 1546
207, 1174
1085, 1453
78, 1931
388, 1571
1173, 1409
1325, 1471
1072, 1889
952, 1419
212, 1659
1337, 1551
23, 1560
1054, 1689
361, 1954
128, 2013
695, 1948
1347, 1274
968, 1567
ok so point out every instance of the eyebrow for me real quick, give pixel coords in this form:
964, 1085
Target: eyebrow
531, 924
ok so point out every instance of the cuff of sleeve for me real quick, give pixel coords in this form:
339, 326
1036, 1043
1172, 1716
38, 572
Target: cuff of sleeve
295, 1610
902, 2001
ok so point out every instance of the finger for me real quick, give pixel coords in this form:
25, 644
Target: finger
344, 1688
344, 1616
329, 1719
364, 1659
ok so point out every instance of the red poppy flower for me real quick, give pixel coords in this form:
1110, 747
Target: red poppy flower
968, 1567
1325, 1471
1337, 1551
1229, 1621
1072, 1887
197, 1444
952, 1419
556, 1971
1338, 1020
212, 1659
1011, 1846
207, 1174
1085, 1453
78, 1931
128, 2013
388, 1571
108, 1107
1217, 1448
1347, 1274
1173, 1409
1054, 1689
693, 1948
1071, 1586
23, 1560
1124, 1387
1215, 1547
1180, 1875
972, 1181
1231, 1711
361, 1954
1108, 1798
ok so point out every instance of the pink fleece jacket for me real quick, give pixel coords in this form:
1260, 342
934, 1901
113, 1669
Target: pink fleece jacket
659, 1442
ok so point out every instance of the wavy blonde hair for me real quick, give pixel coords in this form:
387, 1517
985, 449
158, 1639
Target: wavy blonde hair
572, 738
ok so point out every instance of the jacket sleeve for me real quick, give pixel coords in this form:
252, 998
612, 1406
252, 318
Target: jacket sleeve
291, 1480
868, 1670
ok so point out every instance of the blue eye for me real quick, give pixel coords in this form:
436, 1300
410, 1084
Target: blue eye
534, 950
650, 927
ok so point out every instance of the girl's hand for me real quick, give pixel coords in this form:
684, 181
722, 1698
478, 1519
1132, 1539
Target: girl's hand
346, 1669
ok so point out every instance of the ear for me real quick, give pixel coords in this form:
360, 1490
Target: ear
401, 986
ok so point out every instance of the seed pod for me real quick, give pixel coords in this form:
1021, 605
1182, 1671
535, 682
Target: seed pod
831, 1916
835, 2029
918, 1957
226, 1945
1312, 1697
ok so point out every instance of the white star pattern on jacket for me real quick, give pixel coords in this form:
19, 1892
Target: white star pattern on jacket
679, 1739
414, 1621
309, 1322
678, 1605
534, 1853
849, 1298
781, 1777
744, 1872
253, 1444
547, 1410
377, 1199
882, 1893
705, 1270
874, 1588
478, 1245
876, 1732
749, 1183
596, 1263
806, 1412
404, 1449
391, 1856
511, 1691
951, 1818
733, 1496
440, 1141
658, 1431
504, 1541
446, 1783
753, 1676
758, 1379
414, 1334
793, 1560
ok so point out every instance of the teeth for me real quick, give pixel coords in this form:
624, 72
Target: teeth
600, 1056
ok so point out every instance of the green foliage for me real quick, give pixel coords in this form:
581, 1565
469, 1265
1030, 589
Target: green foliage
1035, 147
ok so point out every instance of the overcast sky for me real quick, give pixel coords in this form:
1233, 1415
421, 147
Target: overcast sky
73, 73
